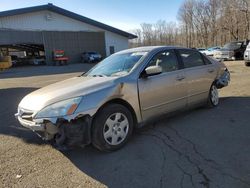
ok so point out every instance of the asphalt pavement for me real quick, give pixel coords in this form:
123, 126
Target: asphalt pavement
202, 147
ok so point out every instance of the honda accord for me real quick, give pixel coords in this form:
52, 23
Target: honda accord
122, 92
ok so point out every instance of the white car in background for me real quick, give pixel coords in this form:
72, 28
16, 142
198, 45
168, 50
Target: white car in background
211, 51
201, 50
247, 55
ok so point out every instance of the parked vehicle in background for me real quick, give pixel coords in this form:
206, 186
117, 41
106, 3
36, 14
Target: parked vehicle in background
232, 51
16, 61
59, 57
37, 61
247, 55
211, 51
122, 92
90, 57
201, 50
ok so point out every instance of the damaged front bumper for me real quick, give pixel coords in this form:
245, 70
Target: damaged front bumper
26, 119
33, 125
74, 129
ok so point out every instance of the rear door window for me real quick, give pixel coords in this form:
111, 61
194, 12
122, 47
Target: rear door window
191, 58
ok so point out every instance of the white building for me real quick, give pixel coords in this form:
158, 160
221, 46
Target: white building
49, 27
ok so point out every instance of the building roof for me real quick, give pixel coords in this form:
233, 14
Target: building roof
69, 14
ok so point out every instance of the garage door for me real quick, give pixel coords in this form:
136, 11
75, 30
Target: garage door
74, 43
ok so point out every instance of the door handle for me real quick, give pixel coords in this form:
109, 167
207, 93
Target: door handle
180, 78
210, 70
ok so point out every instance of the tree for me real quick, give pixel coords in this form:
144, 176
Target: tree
201, 23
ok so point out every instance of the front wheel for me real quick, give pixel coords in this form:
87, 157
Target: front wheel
112, 127
213, 97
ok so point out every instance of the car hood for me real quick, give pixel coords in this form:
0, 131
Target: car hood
70, 88
225, 50
208, 51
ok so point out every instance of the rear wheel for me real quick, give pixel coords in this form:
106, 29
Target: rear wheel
112, 127
213, 98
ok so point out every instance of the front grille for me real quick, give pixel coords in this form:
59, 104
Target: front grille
225, 53
26, 114
28, 118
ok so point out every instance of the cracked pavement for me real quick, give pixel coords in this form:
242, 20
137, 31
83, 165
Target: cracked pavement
201, 148
197, 170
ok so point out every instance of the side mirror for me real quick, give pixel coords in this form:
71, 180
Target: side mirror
153, 70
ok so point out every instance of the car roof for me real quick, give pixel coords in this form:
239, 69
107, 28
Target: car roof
151, 48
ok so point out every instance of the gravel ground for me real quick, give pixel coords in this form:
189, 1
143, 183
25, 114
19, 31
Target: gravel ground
199, 148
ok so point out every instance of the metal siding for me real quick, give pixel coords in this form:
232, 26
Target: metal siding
74, 43
119, 42
36, 21
15, 37
66, 13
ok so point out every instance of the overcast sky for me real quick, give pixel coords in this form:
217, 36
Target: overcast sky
123, 14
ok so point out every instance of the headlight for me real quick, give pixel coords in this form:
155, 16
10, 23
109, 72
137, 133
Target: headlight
62, 108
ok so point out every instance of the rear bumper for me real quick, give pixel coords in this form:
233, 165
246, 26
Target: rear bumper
247, 56
223, 80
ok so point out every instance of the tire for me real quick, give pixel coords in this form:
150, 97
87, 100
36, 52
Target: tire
86, 60
239, 56
112, 127
213, 97
89, 61
247, 64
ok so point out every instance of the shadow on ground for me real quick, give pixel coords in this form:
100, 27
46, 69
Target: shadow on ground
9, 100
28, 71
199, 148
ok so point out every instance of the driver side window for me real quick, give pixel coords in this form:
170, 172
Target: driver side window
167, 60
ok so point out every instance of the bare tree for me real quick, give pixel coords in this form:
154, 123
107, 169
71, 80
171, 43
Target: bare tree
201, 23
147, 33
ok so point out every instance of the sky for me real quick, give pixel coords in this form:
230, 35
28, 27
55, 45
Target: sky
123, 14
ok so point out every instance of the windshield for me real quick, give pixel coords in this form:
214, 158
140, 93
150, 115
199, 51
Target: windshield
116, 65
213, 48
233, 45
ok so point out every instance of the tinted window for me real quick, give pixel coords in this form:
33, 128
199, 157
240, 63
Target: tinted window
167, 60
206, 60
233, 45
191, 58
